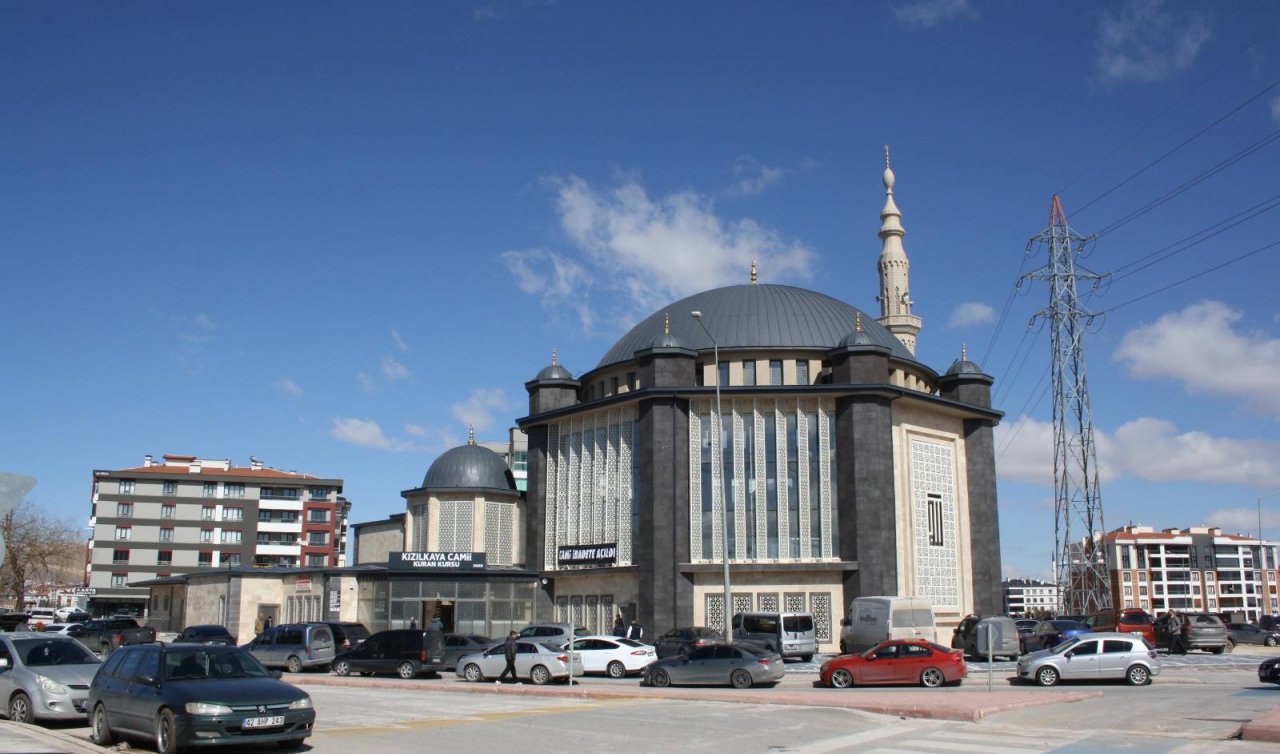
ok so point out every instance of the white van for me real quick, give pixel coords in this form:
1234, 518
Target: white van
875, 619
40, 615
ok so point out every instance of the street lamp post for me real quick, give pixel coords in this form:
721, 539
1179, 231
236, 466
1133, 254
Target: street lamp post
724, 498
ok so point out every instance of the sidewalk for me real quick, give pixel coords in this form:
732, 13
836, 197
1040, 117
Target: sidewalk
16, 738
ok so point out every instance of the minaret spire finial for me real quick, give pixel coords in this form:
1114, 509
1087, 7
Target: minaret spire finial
471, 434
964, 352
754, 278
886, 155
857, 322
553, 356
666, 323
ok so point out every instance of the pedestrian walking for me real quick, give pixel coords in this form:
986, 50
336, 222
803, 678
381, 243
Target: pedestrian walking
509, 651
619, 628
636, 631
257, 625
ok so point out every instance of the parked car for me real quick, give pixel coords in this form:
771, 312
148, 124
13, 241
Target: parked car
457, 645
897, 661
1183, 632
45, 676
611, 655
739, 665
59, 628
13, 622
207, 634
973, 631
1131, 620
105, 635
348, 634
537, 662
872, 620
407, 652
70, 615
1248, 633
682, 641
552, 633
1025, 625
1269, 670
1051, 633
788, 634
183, 694
294, 647
41, 615
1093, 657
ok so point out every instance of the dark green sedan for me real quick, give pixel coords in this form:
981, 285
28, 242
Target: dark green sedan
195, 695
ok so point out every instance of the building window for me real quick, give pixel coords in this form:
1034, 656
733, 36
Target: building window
206, 513
1208, 576
802, 372
233, 489
264, 515
126, 486
210, 489
166, 534
520, 460
119, 557
317, 538
1128, 590
748, 372
936, 538
722, 374
631, 381
164, 557
1142, 575
168, 510
318, 493
1127, 576
317, 560
231, 558
233, 514
775, 372
288, 517
206, 535
124, 533
278, 493
318, 516
119, 580
613, 384
169, 488
205, 559
124, 510
231, 536
1142, 590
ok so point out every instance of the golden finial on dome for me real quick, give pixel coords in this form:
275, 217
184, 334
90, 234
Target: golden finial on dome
553, 356
857, 322
471, 434
964, 352
754, 278
666, 323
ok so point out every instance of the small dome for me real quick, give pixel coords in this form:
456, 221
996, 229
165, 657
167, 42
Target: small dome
963, 366
469, 467
554, 372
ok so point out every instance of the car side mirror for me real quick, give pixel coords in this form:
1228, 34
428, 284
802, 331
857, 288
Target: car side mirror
1069, 655
146, 680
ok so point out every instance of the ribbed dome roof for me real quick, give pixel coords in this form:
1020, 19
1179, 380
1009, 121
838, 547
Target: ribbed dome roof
554, 372
469, 467
963, 366
755, 316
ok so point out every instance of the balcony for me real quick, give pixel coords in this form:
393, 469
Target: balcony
282, 527
293, 550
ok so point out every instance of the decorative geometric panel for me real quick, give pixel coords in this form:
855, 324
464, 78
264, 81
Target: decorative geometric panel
499, 527
742, 602
768, 602
762, 486
575, 608
420, 527
456, 528
552, 490
714, 610
784, 521
589, 483
802, 484
562, 609
464, 590
695, 483
825, 492
933, 492
795, 602
738, 493
607, 610
626, 425
820, 606
592, 621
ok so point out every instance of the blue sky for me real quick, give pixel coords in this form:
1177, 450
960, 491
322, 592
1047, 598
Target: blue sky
331, 235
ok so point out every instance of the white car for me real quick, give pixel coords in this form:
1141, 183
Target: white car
58, 628
535, 662
611, 655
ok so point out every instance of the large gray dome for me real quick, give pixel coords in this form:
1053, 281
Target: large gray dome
756, 316
469, 467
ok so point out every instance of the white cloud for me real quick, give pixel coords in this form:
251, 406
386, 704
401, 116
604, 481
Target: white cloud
1240, 520
1145, 448
479, 408
289, 387
1148, 42
971, 313
1200, 348
194, 332
395, 337
365, 382
365, 433
417, 430
643, 252
930, 13
752, 178
393, 370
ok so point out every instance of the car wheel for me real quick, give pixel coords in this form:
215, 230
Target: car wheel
540, 675
932, 678
1047, 676
660, 679
166, 733
20, 709
740, 679
1270, 641
99, 731
292, 743
841, 679
293, 664
805, 658
406, 670
342, 667
1138, 675
1220, 650
616, 669
472, 672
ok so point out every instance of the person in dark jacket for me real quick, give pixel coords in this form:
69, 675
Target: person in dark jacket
619, 628
636, 631
509, 651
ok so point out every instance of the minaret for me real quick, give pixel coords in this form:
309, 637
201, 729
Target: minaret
895, 293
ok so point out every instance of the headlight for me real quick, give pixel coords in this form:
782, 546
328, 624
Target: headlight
303, 703
207, 708
49, 685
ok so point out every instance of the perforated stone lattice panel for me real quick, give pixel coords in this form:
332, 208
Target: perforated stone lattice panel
933, 472
795, 602
820, 606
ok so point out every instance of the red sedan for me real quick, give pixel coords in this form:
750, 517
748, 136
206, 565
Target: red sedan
899, 661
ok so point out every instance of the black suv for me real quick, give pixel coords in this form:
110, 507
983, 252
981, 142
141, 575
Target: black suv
1182, 632
406, 652
347, 635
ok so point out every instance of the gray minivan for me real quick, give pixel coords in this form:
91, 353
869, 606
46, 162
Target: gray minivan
294, 646
788, 634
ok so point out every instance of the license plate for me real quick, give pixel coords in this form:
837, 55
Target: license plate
262, 722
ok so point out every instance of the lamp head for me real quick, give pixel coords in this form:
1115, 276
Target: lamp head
696, 314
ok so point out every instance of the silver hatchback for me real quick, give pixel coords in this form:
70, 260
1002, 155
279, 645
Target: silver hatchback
44, 676
1092, 657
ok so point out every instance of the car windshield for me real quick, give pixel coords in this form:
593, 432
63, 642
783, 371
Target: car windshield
1066, 645
188, 664
1136, 619
629, 642
707, 633
1067, 625
547, 645
44, 652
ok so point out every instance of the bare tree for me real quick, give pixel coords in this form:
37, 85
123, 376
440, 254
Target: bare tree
37, 546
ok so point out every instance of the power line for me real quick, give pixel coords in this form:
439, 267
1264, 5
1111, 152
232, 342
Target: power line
1227, 224
1189, 278
1004, 313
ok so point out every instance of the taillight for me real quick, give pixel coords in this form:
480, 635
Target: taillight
119, 639
563, 658
764, 661
640, 652
424, 656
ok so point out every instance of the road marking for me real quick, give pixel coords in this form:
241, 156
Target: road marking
845, 742
448, 722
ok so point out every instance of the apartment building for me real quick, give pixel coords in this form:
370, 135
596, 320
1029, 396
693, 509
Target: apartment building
184, 514
1196, 568
1030, 597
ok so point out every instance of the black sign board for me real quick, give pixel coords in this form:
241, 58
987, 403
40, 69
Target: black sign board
588, 555
436, 561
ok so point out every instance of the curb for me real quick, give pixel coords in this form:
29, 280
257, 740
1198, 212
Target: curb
56, 739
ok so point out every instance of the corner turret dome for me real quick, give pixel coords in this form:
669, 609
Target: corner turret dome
554, 371
962, 365
469, 467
